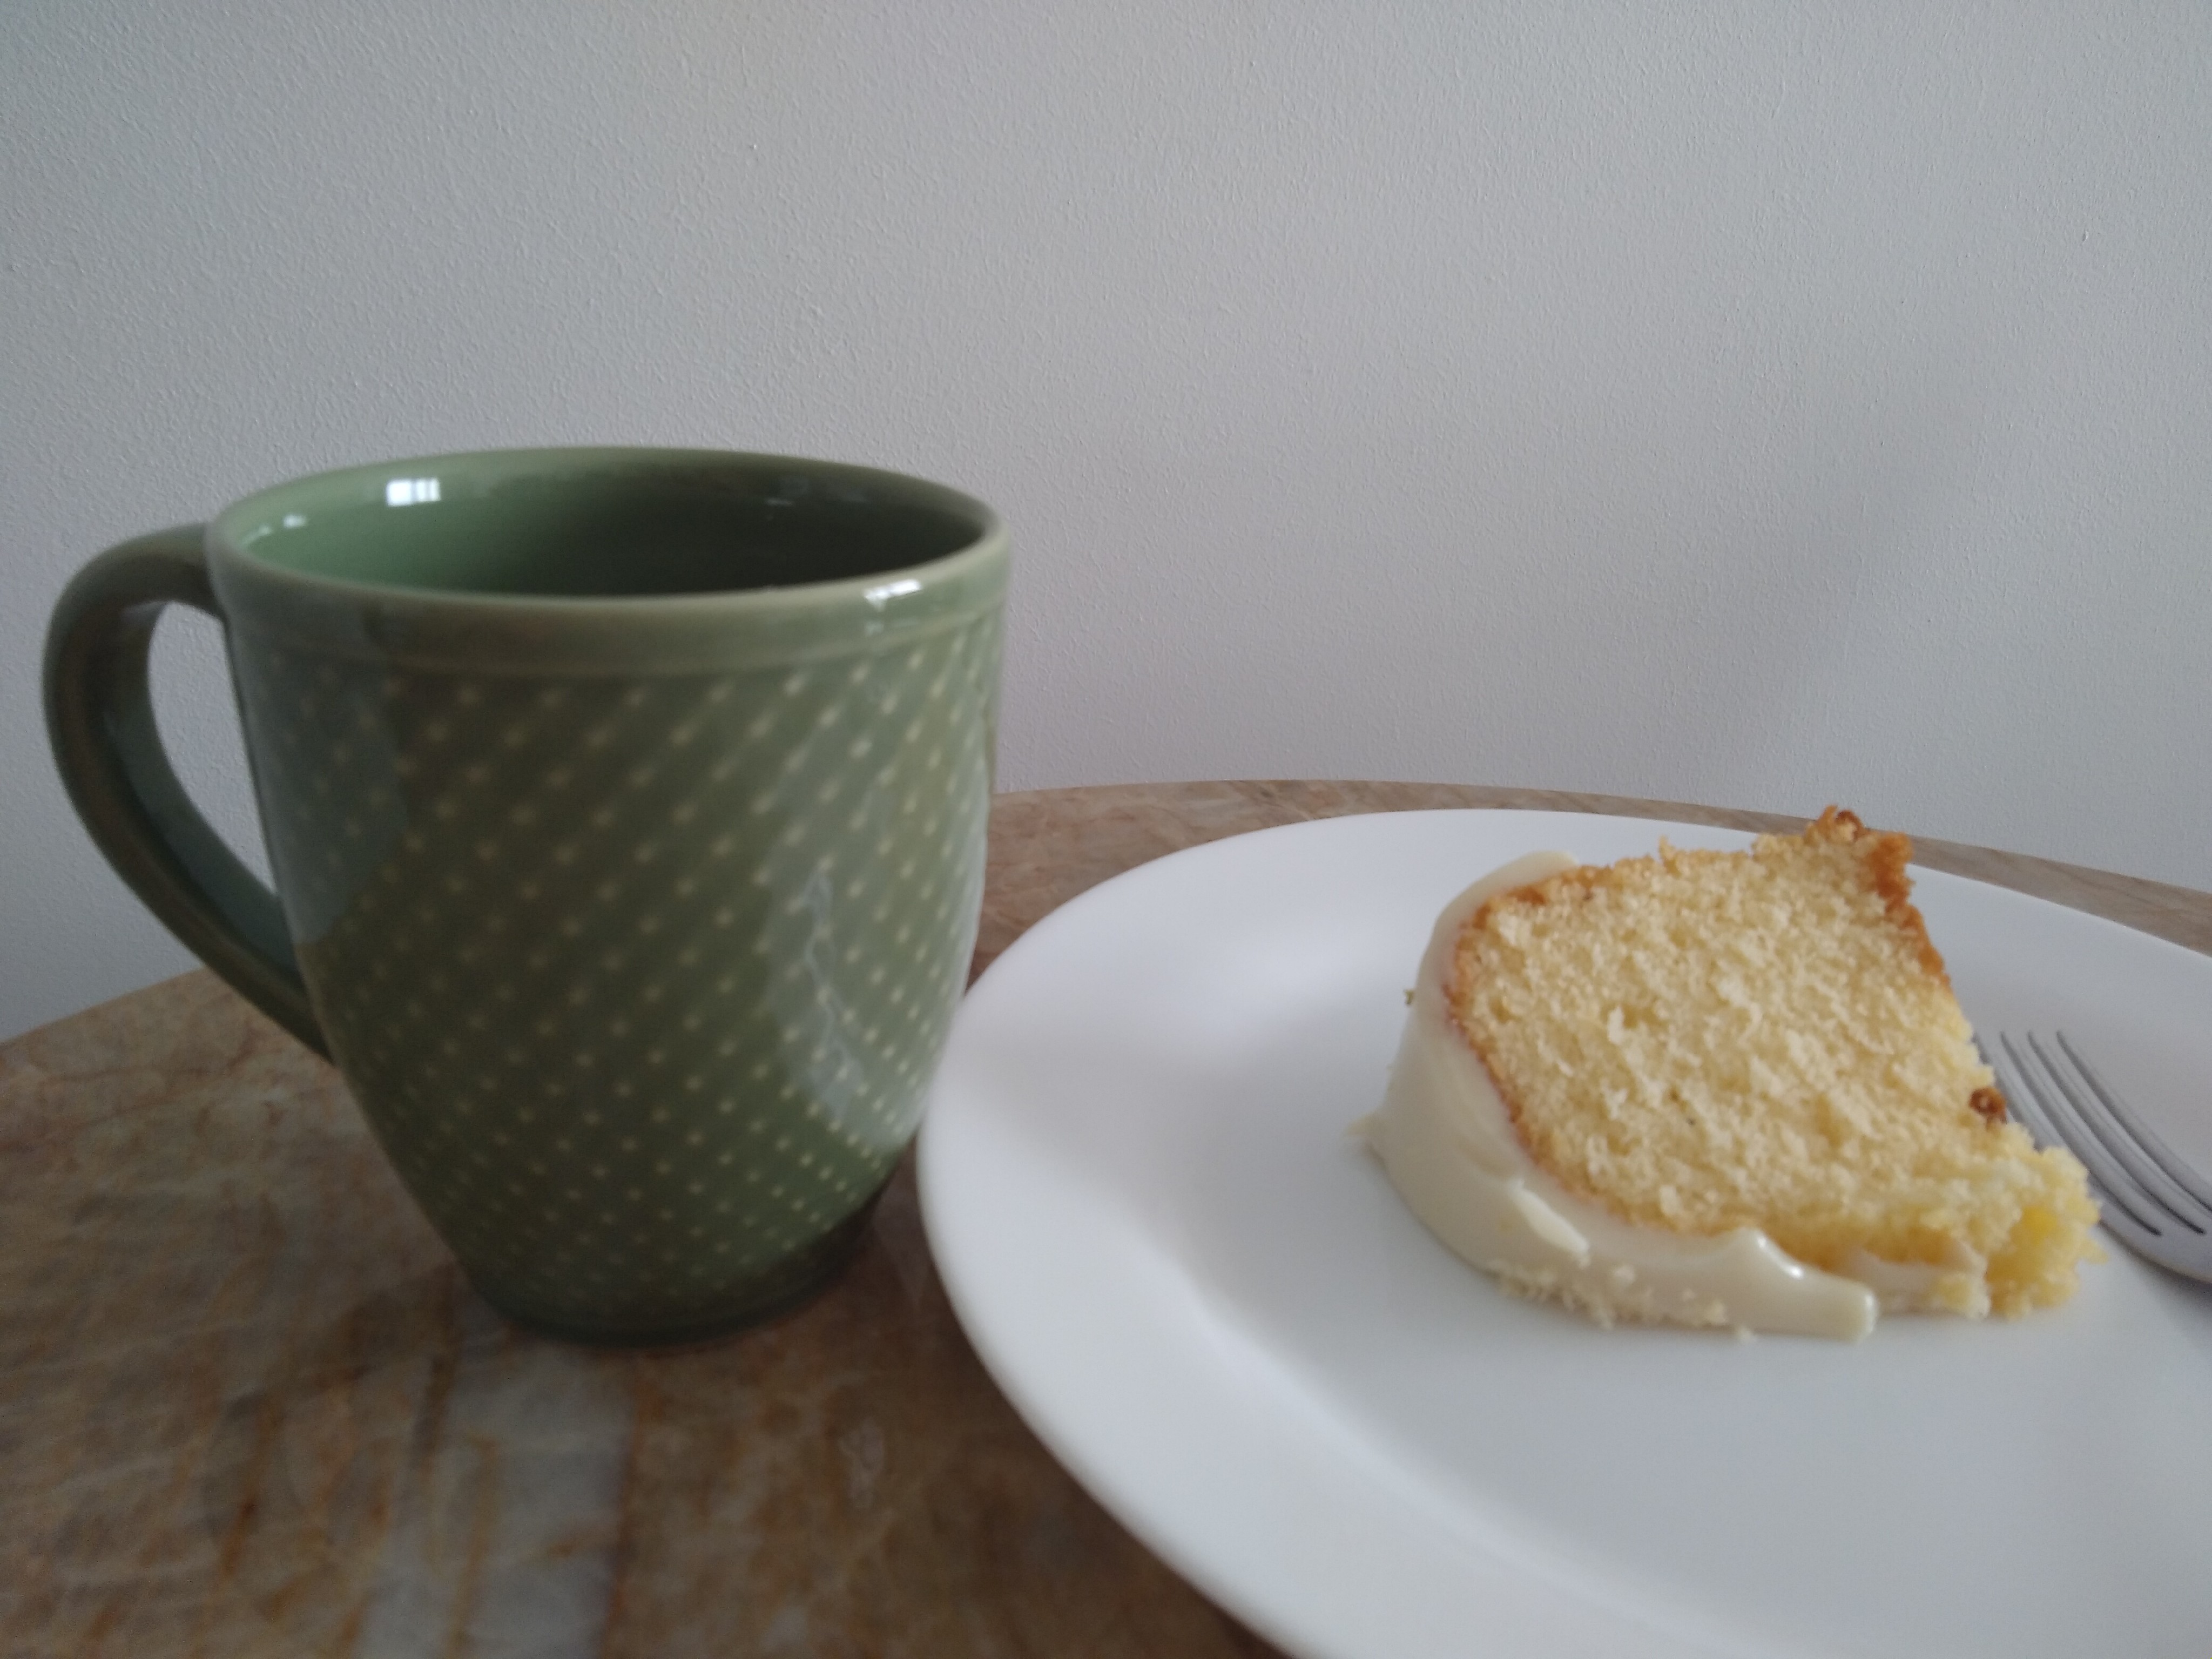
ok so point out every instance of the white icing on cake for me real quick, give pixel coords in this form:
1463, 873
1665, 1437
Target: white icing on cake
1445, 1137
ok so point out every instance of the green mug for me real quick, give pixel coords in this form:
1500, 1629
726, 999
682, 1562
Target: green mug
626, 810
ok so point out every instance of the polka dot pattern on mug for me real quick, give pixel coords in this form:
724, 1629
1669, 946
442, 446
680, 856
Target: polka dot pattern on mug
639, 980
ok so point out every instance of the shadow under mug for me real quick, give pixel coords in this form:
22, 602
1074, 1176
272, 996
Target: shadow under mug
626, 810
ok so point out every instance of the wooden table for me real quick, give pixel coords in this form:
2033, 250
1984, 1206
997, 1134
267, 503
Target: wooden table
248, 1406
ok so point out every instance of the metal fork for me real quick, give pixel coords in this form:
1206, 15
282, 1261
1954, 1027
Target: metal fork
2152, 1202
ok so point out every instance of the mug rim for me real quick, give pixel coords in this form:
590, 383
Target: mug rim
555, 633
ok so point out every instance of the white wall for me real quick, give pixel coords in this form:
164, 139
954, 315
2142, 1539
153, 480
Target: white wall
1765, 404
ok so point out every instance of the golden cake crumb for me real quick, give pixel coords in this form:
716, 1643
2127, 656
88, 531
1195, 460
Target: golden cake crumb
1700, 1041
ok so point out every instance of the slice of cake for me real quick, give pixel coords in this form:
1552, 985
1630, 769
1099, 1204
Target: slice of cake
1728, 1089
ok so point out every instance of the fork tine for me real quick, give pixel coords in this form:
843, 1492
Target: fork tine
2182, 1252
2056, 1110
2113, 1187
2023, 1104
2141, 1166
2170, 1164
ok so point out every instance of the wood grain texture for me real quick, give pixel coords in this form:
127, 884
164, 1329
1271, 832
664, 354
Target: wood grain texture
248, 1406
1049, 846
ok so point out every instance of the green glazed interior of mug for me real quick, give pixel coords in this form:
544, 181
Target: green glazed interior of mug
605, 524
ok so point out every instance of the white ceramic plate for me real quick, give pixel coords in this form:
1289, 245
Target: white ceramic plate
1213, 1309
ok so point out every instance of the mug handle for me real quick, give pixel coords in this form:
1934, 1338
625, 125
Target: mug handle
100, 723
